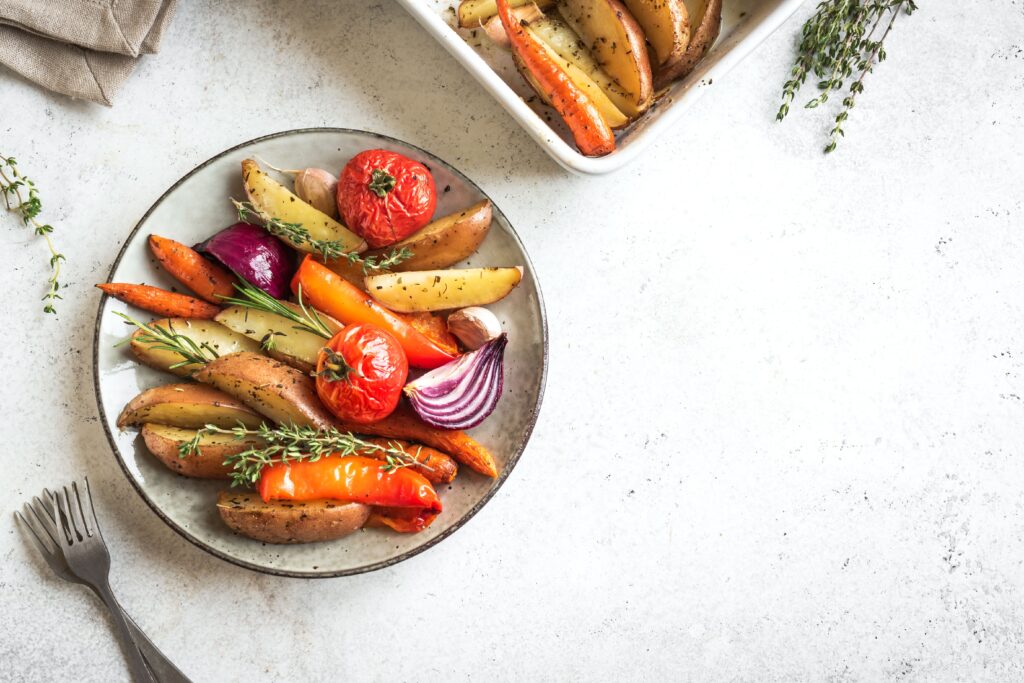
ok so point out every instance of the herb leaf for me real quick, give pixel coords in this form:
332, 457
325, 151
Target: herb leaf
29, 206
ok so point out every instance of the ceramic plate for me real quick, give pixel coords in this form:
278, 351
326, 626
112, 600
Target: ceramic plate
196, 207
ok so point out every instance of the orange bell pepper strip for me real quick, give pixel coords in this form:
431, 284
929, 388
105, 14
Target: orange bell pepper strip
352, 479
326, 291
591, 132
402, 520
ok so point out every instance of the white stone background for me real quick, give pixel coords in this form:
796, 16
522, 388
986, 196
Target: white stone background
782, 432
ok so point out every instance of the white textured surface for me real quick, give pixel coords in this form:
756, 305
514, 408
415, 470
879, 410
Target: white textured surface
782, 437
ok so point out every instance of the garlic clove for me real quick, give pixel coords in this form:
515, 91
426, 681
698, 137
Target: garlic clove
495, 30
474, 326
318, 188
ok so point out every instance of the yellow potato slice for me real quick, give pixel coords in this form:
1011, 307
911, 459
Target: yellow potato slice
277, 335
189, 406
438, 290
279, 202
612, 35
209, 332
666, 23
555, 34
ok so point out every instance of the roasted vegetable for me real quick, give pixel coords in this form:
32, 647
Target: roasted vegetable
189, 406
290, 522
208, 280
160, 301
438, 290
327, 291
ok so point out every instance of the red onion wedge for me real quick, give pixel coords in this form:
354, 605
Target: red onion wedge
462, 393
254, 255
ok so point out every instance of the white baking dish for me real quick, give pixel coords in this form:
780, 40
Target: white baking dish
745, 24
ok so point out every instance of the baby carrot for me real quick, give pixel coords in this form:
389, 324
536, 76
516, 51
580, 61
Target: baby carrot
204, 277
160, 301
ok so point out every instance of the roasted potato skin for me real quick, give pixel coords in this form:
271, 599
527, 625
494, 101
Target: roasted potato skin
189, 406
617, 42
703, 34
290, 521
164, 441
270, 387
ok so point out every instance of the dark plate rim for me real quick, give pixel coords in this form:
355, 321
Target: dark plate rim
498, 483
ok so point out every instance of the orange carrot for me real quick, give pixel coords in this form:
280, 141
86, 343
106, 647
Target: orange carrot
442, 468
160, 301
204, 277
404, 424
592, 133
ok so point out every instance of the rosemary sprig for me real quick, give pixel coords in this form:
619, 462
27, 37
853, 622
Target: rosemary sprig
292, 443
327, 249
839, 41
305, 319
168, 340
29, 206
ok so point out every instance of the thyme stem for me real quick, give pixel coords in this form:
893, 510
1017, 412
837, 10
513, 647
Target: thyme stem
11, 183
291, 443
836, 42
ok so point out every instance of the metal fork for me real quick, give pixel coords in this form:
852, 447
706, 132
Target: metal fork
88, 559
38, 520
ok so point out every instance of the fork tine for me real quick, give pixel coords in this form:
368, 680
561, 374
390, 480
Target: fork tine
62, 519
40, 512
89, 512
44, 547
74, 512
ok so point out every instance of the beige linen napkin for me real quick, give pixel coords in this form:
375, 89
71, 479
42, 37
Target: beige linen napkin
81, 48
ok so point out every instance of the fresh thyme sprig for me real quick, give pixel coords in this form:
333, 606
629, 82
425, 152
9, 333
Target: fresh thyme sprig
306, 319
156, 337
292, 443
29, 206
327, 249
839, 41
382, 262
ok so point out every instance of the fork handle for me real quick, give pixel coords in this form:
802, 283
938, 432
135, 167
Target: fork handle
137, 665
163, 669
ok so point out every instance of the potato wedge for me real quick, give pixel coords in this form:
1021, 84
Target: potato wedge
557, 35
705, 24
189, 406
290, 522
440, 244
209, 332
612, 115
472, 13
438, 290
612, 35
448, 240
277, 335
666, 23
272, 197
274, 389
163, 442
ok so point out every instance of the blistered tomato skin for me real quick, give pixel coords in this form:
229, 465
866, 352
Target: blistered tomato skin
385, 197
377, 369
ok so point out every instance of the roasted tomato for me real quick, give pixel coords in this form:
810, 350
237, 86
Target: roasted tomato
385, 197
360, 374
